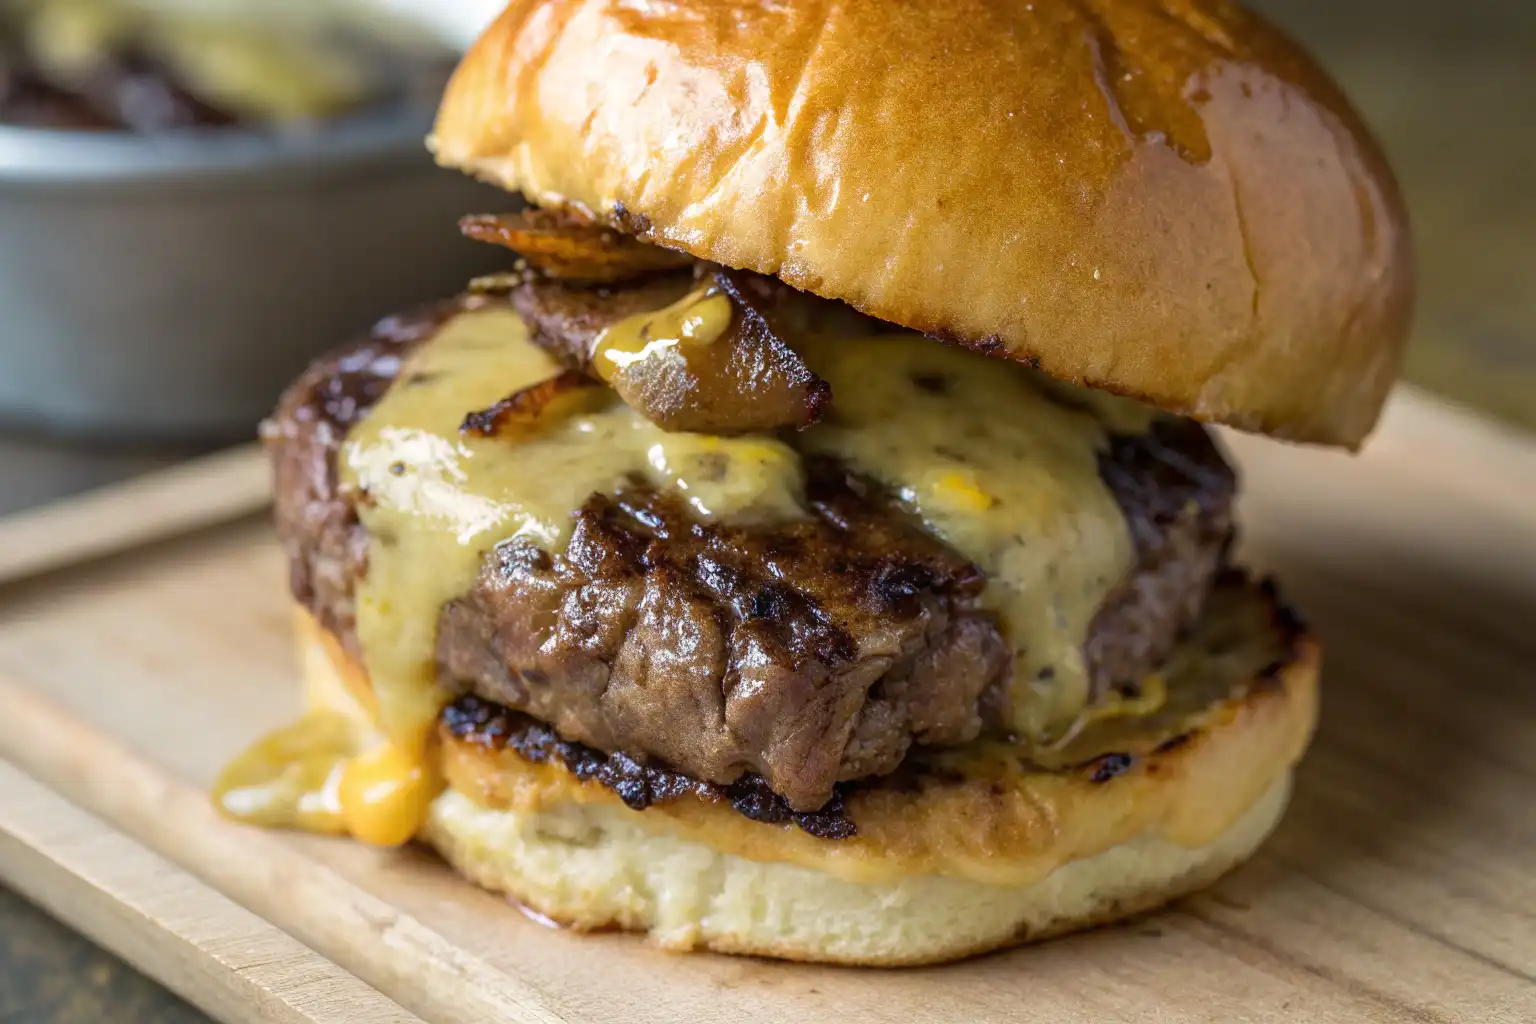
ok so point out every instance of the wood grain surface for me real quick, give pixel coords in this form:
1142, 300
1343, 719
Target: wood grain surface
1401, 886
206, 491
165, 922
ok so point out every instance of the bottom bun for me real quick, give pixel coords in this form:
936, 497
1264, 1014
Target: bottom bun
939, 870
594, 866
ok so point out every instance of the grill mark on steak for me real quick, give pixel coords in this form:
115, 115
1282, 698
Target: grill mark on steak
804, 655
809, 652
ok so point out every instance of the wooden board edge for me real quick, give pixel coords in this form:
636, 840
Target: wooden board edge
217, 955
385, 947
194, 495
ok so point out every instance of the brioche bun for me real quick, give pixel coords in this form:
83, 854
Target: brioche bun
979, 861
1162, 199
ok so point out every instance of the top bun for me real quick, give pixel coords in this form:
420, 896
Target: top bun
1161, 198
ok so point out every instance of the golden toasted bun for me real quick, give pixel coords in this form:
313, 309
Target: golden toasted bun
1163, 199
995, 855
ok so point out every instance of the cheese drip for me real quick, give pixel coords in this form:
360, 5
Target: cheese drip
318, 774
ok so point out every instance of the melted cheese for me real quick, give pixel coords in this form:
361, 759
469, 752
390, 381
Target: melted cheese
316, 775
291, 778
1002, 463
384, 794
435, 502
999, 461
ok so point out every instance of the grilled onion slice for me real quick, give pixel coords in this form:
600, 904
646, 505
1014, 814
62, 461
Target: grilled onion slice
563, 247
524, 412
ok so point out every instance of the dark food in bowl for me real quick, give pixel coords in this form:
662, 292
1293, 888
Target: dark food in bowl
110, 64
123, 91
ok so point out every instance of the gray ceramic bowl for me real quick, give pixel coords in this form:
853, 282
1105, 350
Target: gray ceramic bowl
168, 287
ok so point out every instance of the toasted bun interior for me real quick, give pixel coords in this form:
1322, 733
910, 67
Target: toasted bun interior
935, 873
1164, 200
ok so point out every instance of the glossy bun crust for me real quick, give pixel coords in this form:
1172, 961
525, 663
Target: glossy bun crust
1161, 198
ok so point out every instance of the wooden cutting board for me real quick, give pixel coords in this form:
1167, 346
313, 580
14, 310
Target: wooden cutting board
144, 638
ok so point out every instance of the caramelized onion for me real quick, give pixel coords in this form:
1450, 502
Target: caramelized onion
561, 246
523, 412
711, 363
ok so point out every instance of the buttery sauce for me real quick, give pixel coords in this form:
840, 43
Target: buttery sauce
988, 455
696, 320
384, 793
435, 501
291, 778
318, 775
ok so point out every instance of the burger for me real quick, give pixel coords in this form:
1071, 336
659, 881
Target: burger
813, 544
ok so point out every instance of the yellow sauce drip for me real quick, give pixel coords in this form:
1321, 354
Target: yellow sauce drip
316, 775
385, 793
291, 778
696, 320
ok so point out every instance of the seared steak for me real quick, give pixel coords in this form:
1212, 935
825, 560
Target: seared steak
810, 652
805, 653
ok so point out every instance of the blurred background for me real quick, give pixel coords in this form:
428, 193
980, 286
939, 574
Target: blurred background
1449, 89
316, 210
196, 196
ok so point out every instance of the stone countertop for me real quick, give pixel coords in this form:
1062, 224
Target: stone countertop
1444, 85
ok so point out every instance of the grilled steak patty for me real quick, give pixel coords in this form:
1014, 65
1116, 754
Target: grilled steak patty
810, 652
1270, 643
805, 653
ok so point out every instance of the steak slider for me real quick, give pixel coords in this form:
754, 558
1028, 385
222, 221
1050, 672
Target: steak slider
812, 545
